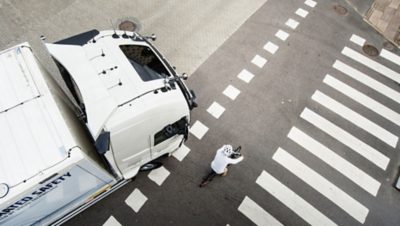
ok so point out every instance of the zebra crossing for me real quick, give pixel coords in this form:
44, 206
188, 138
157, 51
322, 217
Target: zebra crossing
328, 156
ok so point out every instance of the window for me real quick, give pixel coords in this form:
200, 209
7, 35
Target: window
145, 61
179, 127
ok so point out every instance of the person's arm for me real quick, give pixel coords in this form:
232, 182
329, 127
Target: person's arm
234, 161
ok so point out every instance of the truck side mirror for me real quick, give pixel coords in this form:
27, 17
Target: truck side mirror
184, 76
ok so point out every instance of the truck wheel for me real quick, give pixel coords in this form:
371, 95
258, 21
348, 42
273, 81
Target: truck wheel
150, 166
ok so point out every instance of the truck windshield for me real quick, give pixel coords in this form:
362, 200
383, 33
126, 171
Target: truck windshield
145, 61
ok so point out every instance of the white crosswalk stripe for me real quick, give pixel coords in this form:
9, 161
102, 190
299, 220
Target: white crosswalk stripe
368, 81
390, 56
322, 185
257, 214
301, 207
356, 175
346, 138
355, 118
363, 99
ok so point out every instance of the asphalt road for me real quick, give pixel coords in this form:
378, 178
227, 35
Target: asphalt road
297, 170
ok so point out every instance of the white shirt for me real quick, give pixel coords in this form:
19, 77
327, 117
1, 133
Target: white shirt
221, 161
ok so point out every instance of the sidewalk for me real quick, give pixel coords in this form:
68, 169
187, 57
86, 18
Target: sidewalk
383, 15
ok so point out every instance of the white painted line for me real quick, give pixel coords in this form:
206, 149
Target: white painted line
159, 175
346, 138
322, 185
355, 118
390, 56
292, 23
271, 47
282, 35
368, 81
356, 175
216, 110
231, 92
136, 200
297, 204
301, 12
259, 61
357, 40
245, 75
181, 153
310, 3
385, 71
111, 221
257, 214
198, 129
363, 99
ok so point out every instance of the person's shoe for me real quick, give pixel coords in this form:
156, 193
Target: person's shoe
225, 172
204, 183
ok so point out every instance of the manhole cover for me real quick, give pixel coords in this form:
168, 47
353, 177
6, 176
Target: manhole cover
341, 10
370, 50
388, 46
127, 25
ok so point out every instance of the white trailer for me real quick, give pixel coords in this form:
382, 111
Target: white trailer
68, 142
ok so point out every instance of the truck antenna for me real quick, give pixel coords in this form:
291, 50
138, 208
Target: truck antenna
115, 35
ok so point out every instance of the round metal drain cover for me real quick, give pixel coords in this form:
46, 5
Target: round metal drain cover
388, 46
341, 10
127, 25
370, 50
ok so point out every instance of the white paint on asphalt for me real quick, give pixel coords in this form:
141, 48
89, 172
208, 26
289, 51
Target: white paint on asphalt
271, 47
231, 92
216, 110
322, 185
292, 23
363, 99
282, 35
310, 3
357, 40
297, 204
159, 175
181, 153
259, 61
257, 214
136, 200
301, 12
368, 81
111, 221
355, 118
198, 129
353, 173
245, 75
390, 56
389, 73
346, 138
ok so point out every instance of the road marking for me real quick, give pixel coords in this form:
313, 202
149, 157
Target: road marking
368, 81
355, 118
390, 56
363, 99
136, 200
159, 175
310, 3
259, 61
357, 40
245, 75
356, 175
385, 71
301, 12
181, 153
216, 110
346, 138
292, 200
111, 221
231, 92
292, 23
198, 129
282, 35
257, 214
322, 185
271, 47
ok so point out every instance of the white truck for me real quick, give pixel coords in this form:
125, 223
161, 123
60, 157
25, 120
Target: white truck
68, 142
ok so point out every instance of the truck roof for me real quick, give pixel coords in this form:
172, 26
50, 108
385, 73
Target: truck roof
33, 134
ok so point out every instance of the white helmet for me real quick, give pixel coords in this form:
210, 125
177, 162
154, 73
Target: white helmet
227, 150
